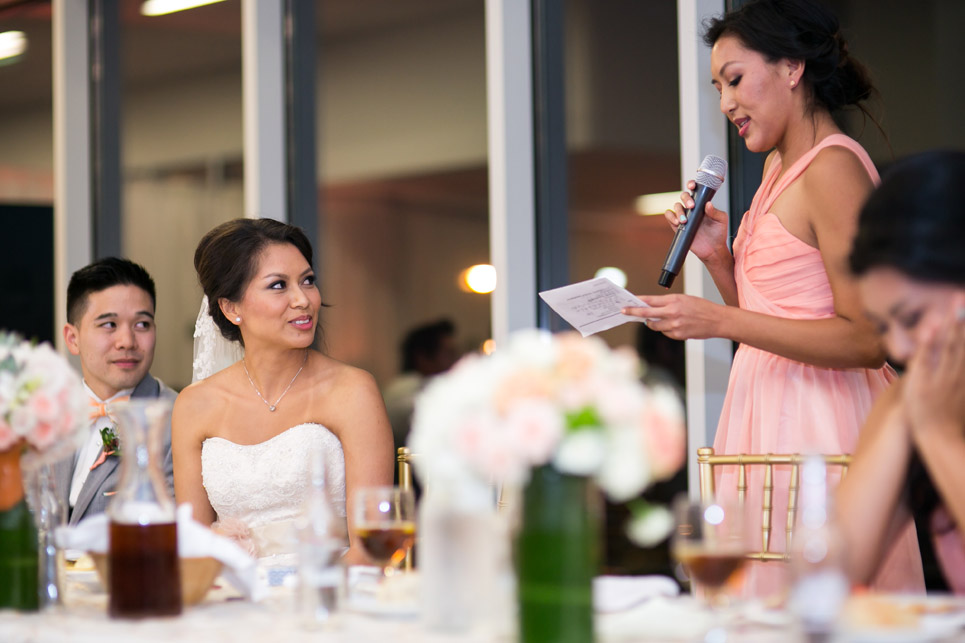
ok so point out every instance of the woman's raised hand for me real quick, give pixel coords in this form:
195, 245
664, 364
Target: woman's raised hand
933, 397
711, 235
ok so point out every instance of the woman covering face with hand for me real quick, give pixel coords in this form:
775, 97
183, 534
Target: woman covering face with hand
909, 260
809, 365
243, 437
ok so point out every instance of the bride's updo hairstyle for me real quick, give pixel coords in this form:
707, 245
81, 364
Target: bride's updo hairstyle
227, 257
801, 30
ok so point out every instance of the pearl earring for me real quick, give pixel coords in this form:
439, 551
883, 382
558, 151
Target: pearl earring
238, 320
793, 83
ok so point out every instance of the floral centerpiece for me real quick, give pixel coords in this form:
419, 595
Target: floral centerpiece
559, 416
42, 406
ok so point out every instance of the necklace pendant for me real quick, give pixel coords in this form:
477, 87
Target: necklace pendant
271, 408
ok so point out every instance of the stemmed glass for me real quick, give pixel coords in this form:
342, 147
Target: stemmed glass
385, 524
710, 541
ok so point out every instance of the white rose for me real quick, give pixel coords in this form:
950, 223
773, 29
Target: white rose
581, 453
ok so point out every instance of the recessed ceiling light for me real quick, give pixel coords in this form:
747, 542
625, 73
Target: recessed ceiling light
12, 44
656, 203
162, 7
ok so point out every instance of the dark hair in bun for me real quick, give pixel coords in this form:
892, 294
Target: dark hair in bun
800, 30
227, 256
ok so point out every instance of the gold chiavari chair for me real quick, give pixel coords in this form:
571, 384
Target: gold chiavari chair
707, 461
403, 459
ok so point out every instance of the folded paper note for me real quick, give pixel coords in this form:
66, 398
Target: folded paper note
592, 306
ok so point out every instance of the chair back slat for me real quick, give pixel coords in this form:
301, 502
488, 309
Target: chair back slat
792, 496
767, 504
707, 461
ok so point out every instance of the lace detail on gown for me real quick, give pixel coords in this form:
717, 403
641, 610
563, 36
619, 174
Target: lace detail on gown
264, 485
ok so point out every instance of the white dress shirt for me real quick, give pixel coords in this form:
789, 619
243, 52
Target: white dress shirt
87, 454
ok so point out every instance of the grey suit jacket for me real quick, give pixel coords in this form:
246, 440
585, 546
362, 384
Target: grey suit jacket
102, 480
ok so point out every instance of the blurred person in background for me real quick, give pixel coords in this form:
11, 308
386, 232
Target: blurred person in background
426, 350
909, 260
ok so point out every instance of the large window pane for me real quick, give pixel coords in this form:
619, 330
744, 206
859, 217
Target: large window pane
402, 158
181, 146
26, 175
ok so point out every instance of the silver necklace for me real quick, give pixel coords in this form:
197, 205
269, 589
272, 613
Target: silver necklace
272, 407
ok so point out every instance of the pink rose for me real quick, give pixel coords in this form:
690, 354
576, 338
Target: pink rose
519, 385
665, 441
471, 435
576, 356
500, 460
535, 428
43, 406
42, 436
7, 436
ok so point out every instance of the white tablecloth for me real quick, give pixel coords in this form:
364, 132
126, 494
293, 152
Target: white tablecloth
225, 617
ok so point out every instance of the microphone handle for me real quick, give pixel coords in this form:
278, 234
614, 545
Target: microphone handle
684, 236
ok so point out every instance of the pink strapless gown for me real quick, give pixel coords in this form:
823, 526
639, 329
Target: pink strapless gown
777, 405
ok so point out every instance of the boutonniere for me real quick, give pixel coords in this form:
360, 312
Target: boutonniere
112, 446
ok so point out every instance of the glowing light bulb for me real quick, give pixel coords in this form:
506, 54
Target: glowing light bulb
480, 278
12, 44
615, 275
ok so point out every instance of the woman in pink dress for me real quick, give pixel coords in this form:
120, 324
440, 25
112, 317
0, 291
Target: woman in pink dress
809, 364
909, 260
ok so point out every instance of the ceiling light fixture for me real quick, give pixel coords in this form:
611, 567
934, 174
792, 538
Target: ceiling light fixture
480, 278
650, 204
162, 7
12, 44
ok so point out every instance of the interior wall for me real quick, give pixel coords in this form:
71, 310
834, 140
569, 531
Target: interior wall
392, 266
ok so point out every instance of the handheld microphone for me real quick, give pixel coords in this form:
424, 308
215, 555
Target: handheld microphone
710, 176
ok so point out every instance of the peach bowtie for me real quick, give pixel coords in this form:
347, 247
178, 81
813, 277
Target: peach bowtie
102, 409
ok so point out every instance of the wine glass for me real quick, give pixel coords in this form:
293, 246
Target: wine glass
710, 541
385, 524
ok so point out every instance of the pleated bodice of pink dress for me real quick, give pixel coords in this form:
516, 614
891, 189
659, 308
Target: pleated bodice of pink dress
778, 405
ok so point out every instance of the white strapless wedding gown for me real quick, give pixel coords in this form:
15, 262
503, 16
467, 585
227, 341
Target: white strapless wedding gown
260, 488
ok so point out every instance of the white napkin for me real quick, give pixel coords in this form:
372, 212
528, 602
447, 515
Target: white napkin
194, 541
619, 593
660, 618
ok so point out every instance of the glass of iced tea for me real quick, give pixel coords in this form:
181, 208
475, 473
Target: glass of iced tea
385, 524
710, 541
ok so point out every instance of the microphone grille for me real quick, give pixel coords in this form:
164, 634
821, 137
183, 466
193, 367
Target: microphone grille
711, 172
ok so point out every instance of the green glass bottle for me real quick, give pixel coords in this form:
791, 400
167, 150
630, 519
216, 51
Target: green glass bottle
19, 570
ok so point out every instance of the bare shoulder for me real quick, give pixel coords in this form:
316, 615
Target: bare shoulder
837, 174
196, 404
350, 381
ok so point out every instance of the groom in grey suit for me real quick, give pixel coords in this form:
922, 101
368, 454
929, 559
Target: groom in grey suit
110, 326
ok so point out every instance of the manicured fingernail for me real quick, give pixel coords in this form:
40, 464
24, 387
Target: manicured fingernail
682, 218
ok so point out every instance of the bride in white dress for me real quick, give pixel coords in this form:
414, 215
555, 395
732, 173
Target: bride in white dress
242, 438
